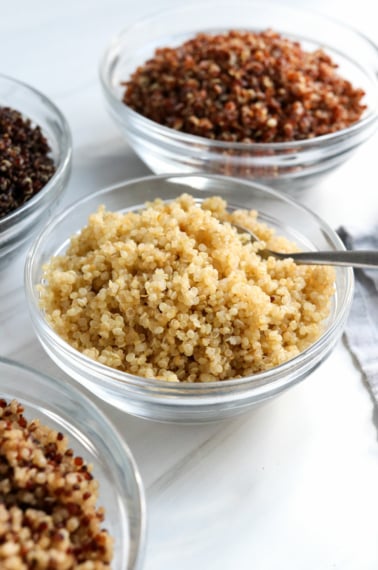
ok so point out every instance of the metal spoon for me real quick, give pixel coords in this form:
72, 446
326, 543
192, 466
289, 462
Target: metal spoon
359, 258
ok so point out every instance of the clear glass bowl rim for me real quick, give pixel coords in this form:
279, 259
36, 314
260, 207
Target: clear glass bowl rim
65, 146
151, 126
262, 382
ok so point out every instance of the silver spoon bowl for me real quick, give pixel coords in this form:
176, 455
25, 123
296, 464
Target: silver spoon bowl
359, 258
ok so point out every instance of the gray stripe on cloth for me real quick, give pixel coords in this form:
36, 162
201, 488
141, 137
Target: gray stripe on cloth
362, 326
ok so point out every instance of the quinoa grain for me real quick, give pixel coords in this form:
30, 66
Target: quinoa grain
48, 514
174, 292
244, 87
25, 164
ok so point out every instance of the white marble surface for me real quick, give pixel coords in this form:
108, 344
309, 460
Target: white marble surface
292, 485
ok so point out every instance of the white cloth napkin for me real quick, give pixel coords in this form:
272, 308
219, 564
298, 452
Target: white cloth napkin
362, 326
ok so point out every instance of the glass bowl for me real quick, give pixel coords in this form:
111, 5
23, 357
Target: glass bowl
184, 402
18, 227
64, 408
288, 166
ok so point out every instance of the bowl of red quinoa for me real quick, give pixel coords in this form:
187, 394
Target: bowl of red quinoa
70, 492
35, 163
147, 295
249, 89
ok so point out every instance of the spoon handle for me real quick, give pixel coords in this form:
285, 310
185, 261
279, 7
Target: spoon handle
360, 258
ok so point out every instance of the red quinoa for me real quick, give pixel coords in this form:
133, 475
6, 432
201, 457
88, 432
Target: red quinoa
244, 87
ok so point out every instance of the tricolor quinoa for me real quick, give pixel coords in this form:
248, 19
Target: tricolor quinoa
48, 513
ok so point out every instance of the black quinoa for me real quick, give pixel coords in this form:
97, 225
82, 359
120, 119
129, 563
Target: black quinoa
25, 162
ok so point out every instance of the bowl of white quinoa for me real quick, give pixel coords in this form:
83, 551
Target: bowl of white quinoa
147, 294
70, 493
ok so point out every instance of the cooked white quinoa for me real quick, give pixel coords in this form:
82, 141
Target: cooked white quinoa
173, 292
48, 514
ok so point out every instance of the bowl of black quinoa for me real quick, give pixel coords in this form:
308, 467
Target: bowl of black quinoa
35, 163
249, 89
